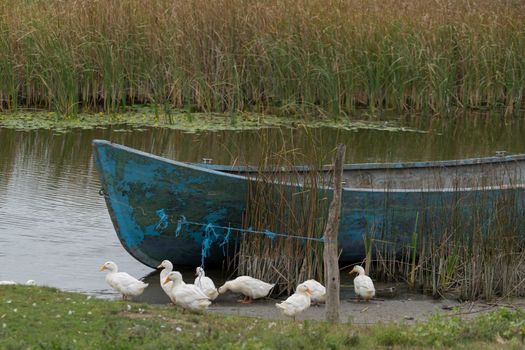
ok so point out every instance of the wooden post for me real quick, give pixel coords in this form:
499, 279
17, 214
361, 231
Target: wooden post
331, 250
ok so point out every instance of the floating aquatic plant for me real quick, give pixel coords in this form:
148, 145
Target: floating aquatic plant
189, 122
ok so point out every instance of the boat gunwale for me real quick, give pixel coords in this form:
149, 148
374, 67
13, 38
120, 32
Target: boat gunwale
225, 170
379, 166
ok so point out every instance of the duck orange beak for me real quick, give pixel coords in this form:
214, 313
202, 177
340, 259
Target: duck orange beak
160, 267
166, 280
309, 292
102, 268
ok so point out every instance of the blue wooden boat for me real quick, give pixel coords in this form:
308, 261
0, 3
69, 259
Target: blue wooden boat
146, 195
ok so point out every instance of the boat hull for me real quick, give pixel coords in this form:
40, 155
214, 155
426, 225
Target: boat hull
146, 195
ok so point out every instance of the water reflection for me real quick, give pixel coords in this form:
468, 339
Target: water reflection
54, 227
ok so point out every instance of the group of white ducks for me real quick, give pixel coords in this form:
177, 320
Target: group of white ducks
10, 283
198, 296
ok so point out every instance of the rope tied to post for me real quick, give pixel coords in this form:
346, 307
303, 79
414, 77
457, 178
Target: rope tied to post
212, 235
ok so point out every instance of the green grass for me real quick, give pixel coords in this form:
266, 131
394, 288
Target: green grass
45, 318
321, 57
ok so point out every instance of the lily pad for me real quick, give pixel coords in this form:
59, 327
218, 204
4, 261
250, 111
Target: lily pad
187, 122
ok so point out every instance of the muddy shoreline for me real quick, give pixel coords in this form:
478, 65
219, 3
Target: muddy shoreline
395, 303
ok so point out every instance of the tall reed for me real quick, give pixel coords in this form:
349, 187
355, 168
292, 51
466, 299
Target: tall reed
290, 203
325, 57
470, 246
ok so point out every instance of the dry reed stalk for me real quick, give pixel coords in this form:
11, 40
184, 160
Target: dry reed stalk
476, 250
324, 57
288, 203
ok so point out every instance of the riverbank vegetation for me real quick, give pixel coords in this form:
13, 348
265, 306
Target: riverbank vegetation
469, 250
275, 57
465, 245
36, 317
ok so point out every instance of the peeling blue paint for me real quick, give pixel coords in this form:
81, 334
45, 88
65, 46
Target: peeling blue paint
146, 195
216, 215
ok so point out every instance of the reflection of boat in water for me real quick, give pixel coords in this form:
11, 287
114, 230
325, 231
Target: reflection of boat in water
147, 194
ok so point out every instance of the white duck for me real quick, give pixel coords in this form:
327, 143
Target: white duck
250, 287
205, 284
188, 296
166, 267
317, 290
10, 283
297, 302
7, 283
363, 285
123, 282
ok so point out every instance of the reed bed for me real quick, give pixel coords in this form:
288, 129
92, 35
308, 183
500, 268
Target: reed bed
321, 57
469, 252
467, 244
290, 203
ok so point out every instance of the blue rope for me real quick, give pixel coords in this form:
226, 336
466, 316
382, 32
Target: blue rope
211, 235
269, 234
182, 221
225, 240
206, 245
207, 241
163, 222
209, 230
266, 233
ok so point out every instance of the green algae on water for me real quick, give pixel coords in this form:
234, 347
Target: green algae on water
187, 122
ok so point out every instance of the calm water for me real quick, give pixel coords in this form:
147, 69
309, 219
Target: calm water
54, 227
